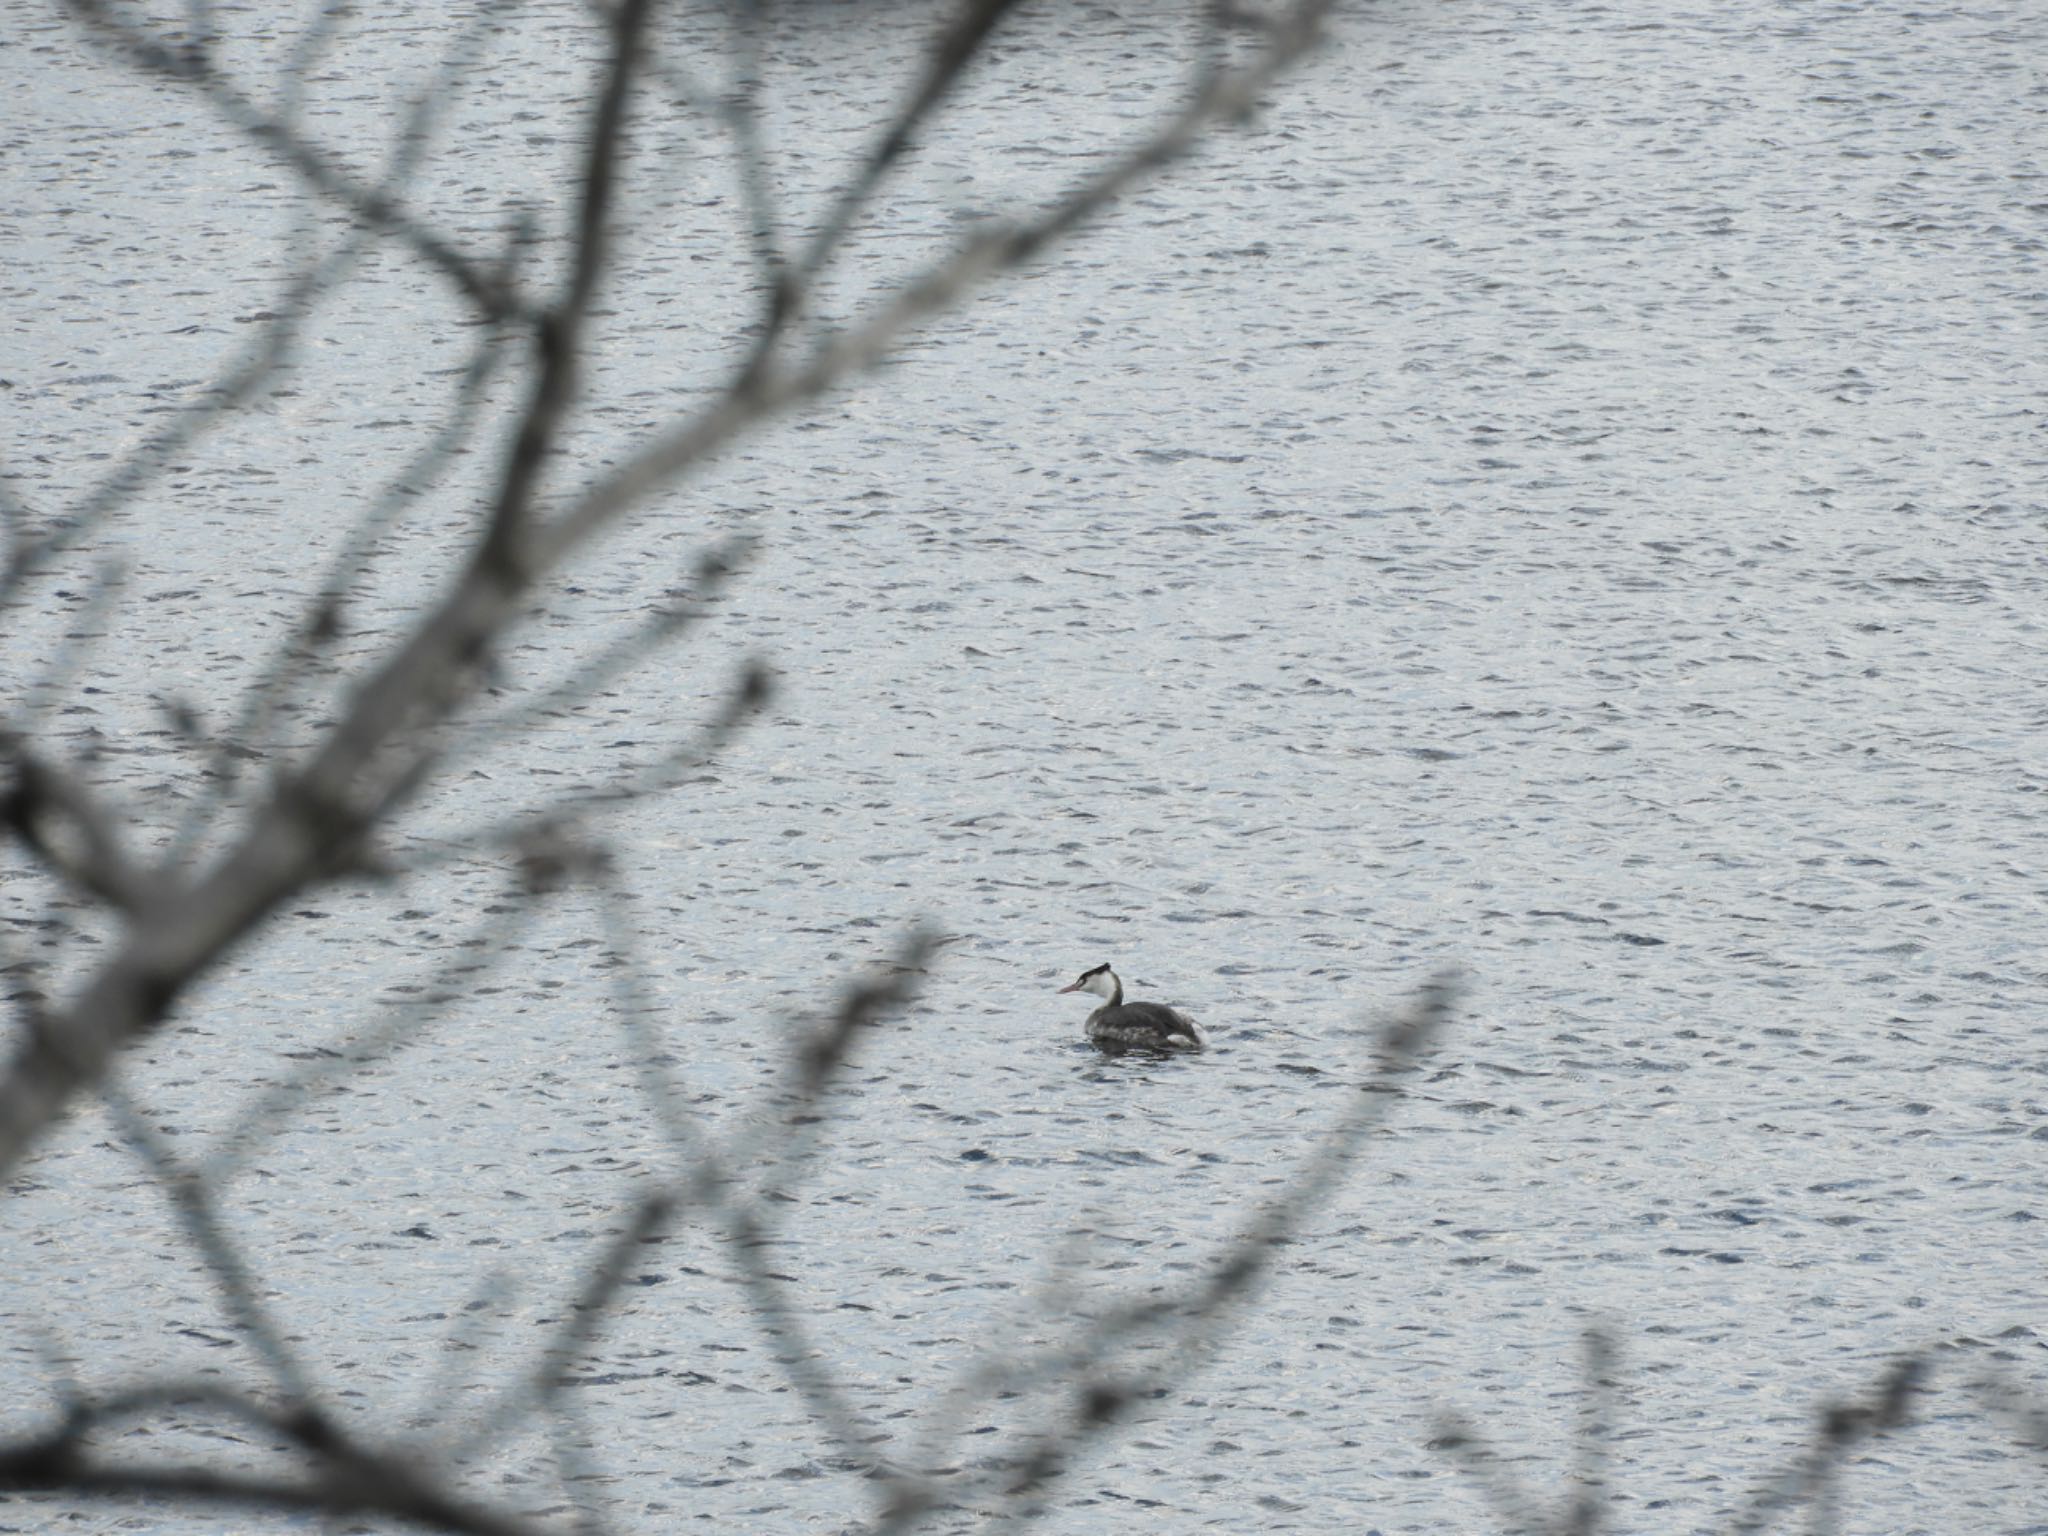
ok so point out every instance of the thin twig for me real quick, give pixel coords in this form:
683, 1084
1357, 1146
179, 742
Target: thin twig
759, 393
192, 1195
81, 632
716, 569
750, 150
376, 206
1190, 1320
265, 698
1840, 1428
536, 1390
558, 334
404, 1023
248, 376
959, 45
57, 817
543, 826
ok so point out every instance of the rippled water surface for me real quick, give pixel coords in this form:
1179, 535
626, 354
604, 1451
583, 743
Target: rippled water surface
1557, 496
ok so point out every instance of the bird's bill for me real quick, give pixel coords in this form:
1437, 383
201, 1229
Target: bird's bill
1071, 987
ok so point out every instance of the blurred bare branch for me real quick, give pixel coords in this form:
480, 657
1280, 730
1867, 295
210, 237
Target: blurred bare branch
1096, 1374
340, 1478
252, 373
672, 618
1807, 1482
317, 818
190, 63
400, 1024
252, 732
1587, 1513
193, 1196
1514, 1506
957, 47
2027, 1418
762, 392
1840, 1428
56, 817
52, 688
336, 804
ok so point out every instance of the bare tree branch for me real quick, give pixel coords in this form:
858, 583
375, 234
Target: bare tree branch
1807, 1481
1841, 1428
375, 206
559, 333
330, 809
192, 1193
316, 819
1586, 1514
251, 374
403, 1023
56, 816
315, 822
341, 1480
252, 731
957, 47
1088, 1367
761, 393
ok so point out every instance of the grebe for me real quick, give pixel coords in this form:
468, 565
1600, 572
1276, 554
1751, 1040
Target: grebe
1118, 1025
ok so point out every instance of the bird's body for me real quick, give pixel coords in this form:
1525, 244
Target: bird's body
1121, 1026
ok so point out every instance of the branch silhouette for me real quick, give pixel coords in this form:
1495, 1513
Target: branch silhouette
318, 818
135, 921
274, 821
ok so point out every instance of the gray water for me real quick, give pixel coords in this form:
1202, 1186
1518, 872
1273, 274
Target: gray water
1556, 496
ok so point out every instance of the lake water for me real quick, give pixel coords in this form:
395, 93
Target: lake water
1559, 496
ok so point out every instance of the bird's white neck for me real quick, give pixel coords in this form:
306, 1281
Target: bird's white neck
1105, 985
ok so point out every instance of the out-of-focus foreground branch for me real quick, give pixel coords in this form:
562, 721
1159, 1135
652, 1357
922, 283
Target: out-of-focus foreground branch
272, 822
320, 819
